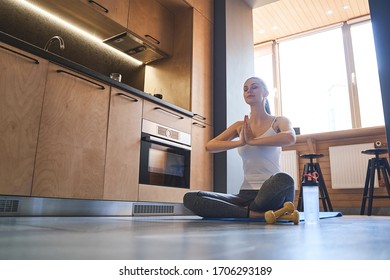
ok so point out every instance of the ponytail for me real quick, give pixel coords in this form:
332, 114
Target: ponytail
267, 108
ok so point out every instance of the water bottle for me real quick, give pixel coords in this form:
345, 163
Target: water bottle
311, 205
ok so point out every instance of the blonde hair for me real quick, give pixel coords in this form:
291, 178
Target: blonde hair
261, 82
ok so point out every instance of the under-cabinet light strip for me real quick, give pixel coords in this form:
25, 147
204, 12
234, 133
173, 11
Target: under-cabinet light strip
74, 28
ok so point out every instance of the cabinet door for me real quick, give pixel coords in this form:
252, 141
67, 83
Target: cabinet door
117, 10
201, 160
205, 7
166, 117
202, 85
123, 147
72, 138
153, 22
22, 82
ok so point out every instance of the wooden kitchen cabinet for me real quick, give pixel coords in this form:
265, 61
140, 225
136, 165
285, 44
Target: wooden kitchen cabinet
202, 69
22, 83
171, 77
123, 147
117, 10
202, 103
205, 7
167, 117
72, 137
153, 22
201, 160
177, 121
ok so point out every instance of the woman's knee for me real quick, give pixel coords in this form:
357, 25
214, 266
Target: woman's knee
283, 176
286, 184
284, 179
279, 182
275, 191
189, 199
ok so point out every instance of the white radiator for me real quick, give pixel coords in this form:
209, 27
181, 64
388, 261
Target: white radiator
289, 163
348, 166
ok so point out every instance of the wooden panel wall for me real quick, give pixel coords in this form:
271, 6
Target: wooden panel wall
320, 143
294, 17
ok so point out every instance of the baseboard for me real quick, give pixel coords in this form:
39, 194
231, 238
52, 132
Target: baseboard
379, 211
42, 206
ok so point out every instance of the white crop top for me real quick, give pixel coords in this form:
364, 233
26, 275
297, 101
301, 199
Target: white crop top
259, 162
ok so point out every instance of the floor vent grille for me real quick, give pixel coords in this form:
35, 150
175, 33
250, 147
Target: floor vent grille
153, 209
8, 206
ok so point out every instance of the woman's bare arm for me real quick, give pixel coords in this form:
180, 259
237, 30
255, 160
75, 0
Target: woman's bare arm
225, 141
285, 137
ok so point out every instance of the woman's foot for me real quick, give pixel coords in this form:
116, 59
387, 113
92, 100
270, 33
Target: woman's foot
254, 214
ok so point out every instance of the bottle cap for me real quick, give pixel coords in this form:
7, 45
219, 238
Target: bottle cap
310, 179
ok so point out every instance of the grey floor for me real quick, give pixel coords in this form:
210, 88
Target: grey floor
189, 237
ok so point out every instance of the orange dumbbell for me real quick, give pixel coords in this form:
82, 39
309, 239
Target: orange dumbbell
271, 216
293, 217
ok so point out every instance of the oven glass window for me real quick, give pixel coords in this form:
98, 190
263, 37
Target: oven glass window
164, 162
165, 166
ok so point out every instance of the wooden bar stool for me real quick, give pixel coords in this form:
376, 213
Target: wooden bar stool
309, 168
375, 164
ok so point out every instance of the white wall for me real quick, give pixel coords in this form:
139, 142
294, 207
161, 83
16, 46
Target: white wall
239, 67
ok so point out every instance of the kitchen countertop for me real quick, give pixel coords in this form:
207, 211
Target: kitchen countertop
27, 47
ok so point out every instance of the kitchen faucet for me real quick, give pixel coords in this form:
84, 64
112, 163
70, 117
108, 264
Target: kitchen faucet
60, 40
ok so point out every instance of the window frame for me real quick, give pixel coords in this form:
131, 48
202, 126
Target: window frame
349, 61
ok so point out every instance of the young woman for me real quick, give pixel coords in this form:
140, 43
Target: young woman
259, 139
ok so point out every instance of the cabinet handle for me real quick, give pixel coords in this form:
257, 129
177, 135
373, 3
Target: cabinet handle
127, 96
82, 78
169, 112
20, 54
158, 140
198, 125
199, 117
99, 5
153, 39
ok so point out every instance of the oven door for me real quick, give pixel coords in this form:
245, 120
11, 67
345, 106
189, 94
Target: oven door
164, 163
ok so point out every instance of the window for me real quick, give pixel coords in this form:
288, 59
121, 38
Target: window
367, 80
263, 70
327, 80
313, 79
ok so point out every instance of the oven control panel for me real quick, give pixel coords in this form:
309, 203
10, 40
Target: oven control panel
165, 132
170, 133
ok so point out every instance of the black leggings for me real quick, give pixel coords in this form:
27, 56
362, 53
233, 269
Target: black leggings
275, 191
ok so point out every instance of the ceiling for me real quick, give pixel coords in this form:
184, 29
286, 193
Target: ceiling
283, 18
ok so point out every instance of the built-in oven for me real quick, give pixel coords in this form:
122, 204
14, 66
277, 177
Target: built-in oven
165, 156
